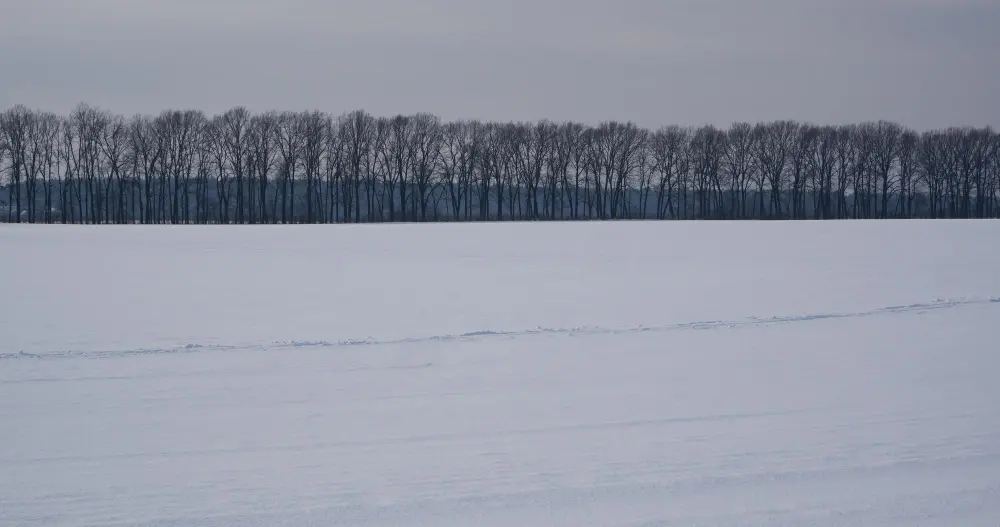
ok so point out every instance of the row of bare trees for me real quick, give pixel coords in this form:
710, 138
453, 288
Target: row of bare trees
93, 166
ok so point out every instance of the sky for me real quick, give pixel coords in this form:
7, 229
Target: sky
923, 63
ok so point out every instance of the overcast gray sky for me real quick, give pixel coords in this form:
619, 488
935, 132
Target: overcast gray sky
924, 63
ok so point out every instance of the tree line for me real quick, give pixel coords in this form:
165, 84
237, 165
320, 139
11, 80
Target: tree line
183, 166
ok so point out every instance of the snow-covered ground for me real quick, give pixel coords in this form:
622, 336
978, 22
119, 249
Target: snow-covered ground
611, 374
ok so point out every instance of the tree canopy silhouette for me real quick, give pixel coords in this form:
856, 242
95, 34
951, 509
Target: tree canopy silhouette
183, 166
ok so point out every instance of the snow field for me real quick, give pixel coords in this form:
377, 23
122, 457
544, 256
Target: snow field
630, 374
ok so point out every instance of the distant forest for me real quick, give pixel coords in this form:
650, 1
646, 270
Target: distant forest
94, 166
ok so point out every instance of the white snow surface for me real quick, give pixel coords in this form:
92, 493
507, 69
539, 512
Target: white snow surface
559, 374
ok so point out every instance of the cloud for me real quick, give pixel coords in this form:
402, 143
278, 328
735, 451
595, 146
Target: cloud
926, 63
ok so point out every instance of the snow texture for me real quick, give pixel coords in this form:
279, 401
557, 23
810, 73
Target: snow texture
614, 374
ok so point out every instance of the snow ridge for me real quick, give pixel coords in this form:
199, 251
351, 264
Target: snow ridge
917, 308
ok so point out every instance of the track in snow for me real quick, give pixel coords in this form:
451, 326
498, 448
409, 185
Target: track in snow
917, 308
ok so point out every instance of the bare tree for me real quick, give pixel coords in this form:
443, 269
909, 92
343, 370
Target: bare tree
425, 152
822, 164
356, 130
886, 144
5, 154
493, 165
315, 127
398, 153
113, 144
774, 143
933, 171
992, 183
739, 166
530, 145
17, 125
669, 150
333, 171
96, 167
48, 134
377, 171
235, 126
707, 147
908, 162
565, 140
460, 144
144, 154
800, 167
977, 151
263, 158
289, 140
845, 159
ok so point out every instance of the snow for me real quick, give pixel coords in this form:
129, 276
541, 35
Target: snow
612, 374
